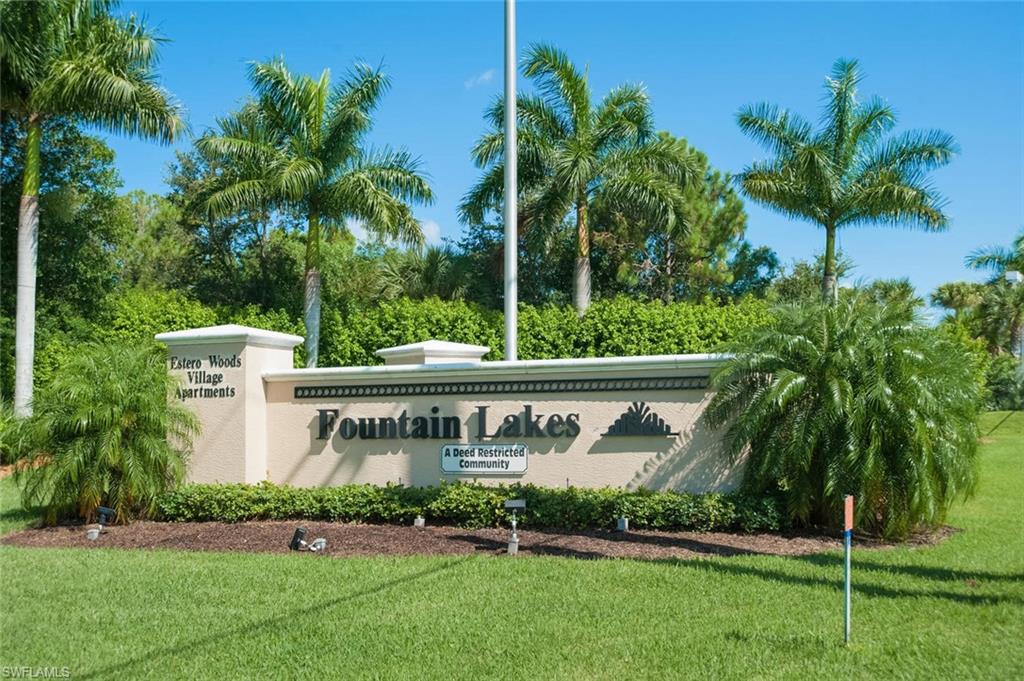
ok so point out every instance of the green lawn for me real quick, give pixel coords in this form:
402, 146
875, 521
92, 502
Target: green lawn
953, 611
12, 515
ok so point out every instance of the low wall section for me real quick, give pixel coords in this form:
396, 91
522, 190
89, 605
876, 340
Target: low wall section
623, 422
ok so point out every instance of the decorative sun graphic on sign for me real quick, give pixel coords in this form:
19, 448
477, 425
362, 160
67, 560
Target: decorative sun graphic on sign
639, 420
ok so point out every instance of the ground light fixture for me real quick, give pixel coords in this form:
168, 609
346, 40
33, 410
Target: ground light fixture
298, 542
105, 514
92, 533
513, 539
297, 539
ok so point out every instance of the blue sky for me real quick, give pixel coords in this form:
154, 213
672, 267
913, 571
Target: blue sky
958, 67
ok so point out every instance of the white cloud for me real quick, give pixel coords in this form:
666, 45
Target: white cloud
480, 79
431, 232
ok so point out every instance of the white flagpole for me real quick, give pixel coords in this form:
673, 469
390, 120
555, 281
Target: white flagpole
511, 191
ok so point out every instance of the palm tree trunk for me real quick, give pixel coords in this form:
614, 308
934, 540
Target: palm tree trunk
1016, 335
669, 293
28, 246
581, 273
828, 283
312, 293
264, 266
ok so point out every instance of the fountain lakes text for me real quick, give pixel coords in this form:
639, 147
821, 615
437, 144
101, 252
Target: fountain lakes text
436, 426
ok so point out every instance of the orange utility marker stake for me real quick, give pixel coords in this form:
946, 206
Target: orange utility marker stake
847, 541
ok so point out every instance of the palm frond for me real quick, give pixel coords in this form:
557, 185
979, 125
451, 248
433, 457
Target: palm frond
779, 131
487, 194
998, 258
913, 151
349, 112
891, 198
776, 184
287, 101
399, 173
357, 194
102, 72
624, 117
840, 112
870, 121
563, 87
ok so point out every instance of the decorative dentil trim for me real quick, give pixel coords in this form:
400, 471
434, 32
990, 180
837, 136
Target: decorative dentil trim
504, 387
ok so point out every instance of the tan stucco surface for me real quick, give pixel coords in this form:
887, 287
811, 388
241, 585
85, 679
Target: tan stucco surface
266, 432
688, 461
232, 443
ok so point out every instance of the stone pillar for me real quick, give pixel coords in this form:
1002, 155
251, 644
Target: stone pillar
221, 373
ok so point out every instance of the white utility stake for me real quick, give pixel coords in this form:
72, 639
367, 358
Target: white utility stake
847, 541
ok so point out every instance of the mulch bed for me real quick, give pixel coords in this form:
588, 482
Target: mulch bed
390, 540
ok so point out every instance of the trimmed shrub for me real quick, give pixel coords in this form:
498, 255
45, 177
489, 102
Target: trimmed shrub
612, 327
354, 338
1005, 383
270, 320
625, 327
470, 505
618, 326
135, 316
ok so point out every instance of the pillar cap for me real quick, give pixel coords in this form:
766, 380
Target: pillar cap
433, 352
230, 333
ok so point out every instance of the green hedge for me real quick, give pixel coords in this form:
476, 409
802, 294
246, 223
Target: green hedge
467, 505
618, 326
351, 340
613, 327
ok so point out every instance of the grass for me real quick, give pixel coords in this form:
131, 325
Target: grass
951, 611
12, 516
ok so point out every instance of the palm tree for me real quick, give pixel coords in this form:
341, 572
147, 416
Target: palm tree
1001, 316
957, 296
108, 431
1001, 311
298, 146
436, 271
71, 58
999, 259
579, 156
852, 397
849, 172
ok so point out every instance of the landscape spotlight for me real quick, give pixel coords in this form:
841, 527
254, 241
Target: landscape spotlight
298, 542
513, 540
105, 514
297, 539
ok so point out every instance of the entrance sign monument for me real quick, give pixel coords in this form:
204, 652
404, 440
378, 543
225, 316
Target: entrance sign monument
435, 411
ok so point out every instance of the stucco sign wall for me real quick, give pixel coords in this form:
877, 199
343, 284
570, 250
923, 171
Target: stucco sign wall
436, 412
